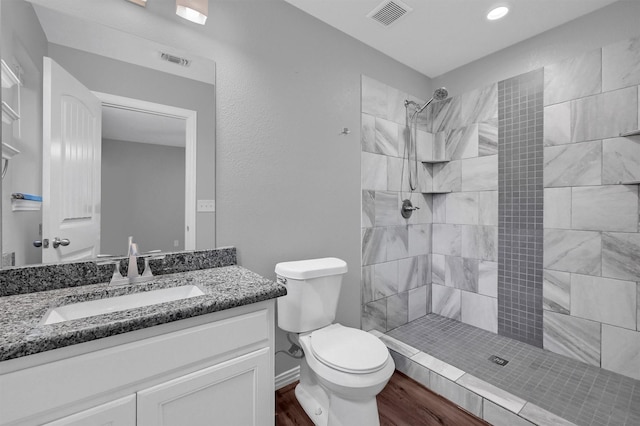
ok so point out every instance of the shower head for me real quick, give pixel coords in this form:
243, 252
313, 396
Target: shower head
440, 94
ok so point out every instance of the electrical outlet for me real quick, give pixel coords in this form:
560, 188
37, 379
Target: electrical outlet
206, 206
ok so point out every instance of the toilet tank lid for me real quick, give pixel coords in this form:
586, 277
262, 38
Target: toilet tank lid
312, 268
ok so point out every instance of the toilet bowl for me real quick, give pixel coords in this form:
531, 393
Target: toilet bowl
343, 368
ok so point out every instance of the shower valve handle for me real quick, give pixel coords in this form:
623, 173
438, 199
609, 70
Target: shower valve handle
407, 209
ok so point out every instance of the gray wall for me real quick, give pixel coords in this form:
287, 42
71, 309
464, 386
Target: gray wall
142, 195
612, 23
23, 42
106, 75
288, 185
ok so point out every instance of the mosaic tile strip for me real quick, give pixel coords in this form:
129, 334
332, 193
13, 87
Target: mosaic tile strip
520, 207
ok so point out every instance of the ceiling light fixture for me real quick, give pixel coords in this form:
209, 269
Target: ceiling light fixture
193, 10
497, 13
142, 3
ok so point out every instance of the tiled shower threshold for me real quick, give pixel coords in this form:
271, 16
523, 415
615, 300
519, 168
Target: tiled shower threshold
534, 387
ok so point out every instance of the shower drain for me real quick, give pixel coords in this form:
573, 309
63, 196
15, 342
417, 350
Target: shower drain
497, 360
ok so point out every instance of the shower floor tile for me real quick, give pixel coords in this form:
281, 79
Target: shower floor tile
578, 392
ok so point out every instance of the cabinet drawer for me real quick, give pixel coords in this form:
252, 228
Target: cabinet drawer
121, 412
32, 392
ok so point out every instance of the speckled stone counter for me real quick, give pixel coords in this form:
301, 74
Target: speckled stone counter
28, 279
225, 287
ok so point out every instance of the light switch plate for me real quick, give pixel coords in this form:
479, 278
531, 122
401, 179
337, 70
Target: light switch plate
206, 206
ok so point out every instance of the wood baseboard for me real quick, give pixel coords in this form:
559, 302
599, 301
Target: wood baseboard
287, 377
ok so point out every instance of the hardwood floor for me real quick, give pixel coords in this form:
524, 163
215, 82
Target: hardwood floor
403, 402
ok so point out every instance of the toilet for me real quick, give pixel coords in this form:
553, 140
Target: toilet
343, 368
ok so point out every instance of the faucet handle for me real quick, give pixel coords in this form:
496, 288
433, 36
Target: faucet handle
151, 252
107, 259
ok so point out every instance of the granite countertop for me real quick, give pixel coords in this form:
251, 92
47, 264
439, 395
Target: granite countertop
22, 334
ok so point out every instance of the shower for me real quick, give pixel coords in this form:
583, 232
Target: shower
440, 94
412, 110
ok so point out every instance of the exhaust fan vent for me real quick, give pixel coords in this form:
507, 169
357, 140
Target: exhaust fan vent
175, 59
389, 12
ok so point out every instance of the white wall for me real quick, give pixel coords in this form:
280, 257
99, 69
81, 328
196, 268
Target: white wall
288, 185
142, 195
615, 22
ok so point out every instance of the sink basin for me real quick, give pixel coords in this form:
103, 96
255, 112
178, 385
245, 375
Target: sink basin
119, 303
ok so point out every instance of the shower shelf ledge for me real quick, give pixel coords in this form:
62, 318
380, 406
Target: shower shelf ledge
434, 161
631, 133
633, 182
437, 192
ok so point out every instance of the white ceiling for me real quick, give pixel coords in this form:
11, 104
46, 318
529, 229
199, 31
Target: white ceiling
124, 31
142, 127
441, 35
437, 36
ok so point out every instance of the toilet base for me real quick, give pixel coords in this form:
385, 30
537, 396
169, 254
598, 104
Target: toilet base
330, 409
317, 412
337, 411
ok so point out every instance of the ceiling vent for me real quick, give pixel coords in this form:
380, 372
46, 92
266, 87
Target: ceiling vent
389, 12
175, 59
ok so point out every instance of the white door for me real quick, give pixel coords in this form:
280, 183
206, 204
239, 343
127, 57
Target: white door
121, 412
72, 120
234, 393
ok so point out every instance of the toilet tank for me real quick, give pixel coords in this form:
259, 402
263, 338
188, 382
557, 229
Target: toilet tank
313, 288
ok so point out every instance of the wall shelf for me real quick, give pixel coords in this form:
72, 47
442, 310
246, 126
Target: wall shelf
437, 192
9, 115
25, 205
434, 161
25, 202
9, 78
631, 133
8, 152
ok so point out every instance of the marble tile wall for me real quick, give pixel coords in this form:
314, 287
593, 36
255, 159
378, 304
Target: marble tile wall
396, 252
591, 286
465, 220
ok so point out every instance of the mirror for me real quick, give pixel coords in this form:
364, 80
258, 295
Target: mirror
156, 115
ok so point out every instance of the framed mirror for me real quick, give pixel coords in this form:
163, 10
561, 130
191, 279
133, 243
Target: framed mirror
154, 162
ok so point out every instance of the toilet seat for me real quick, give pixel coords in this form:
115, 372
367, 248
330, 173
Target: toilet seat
348, 349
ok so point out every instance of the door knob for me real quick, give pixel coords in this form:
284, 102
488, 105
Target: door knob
41, 243
60, 242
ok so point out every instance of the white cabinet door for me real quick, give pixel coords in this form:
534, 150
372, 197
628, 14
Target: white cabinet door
121, 412
238, 392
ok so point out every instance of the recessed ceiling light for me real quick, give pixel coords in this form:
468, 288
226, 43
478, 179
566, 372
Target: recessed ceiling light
497, 13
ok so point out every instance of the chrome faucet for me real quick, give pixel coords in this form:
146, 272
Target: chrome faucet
133, 276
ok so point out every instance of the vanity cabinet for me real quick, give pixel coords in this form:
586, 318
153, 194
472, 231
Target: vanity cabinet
214, 369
